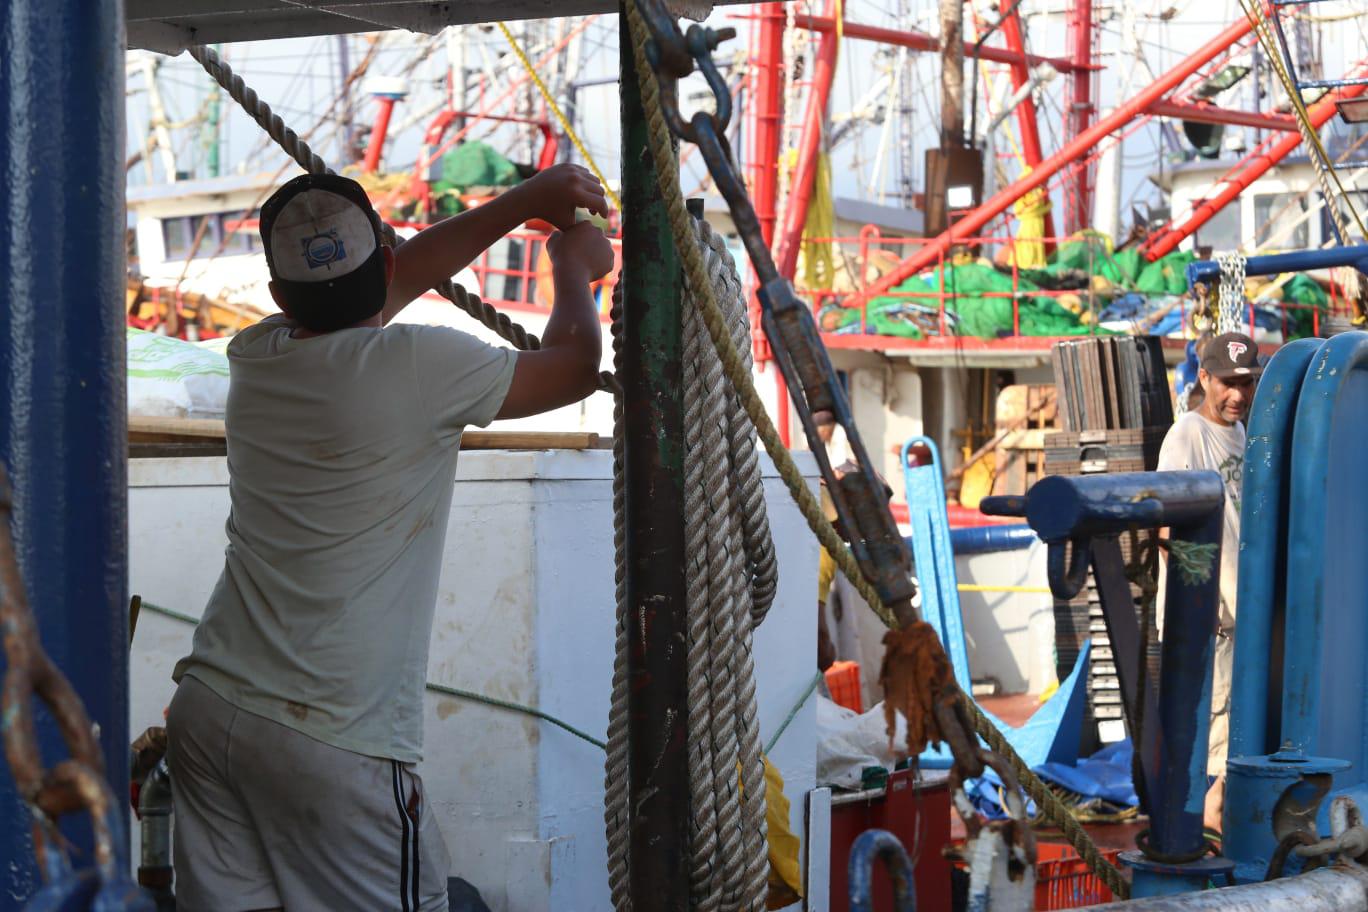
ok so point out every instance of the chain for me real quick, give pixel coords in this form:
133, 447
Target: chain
1232, 294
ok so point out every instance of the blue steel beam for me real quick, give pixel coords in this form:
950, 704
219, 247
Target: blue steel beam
1209, 271
63, 426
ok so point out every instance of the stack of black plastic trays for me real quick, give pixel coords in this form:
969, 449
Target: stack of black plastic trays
1115, 405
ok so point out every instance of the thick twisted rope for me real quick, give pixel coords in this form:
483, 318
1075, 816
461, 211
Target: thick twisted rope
696, 275
667, 170
312, 162
730, 581
616, 786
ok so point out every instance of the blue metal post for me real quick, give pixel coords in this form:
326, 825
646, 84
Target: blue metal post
1068, 509
63, 424
1297, 719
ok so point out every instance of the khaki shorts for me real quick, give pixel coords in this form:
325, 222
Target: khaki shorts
267, 818
1218, 739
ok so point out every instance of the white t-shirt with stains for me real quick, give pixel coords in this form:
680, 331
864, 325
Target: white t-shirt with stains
341, 455
1198, 443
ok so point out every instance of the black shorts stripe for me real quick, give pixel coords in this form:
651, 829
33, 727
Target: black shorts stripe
404, 843
416, 827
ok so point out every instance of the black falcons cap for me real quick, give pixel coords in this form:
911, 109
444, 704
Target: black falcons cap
1231, 355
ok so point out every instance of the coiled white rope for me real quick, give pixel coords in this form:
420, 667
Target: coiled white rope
730, 581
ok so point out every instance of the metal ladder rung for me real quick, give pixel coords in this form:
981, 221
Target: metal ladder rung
1332, 83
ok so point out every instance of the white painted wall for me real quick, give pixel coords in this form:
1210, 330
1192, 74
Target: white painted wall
1010, 635
1191, 188
525, 613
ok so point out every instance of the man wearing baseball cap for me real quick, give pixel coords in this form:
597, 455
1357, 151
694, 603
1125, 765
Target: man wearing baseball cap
1213, 437
298, 720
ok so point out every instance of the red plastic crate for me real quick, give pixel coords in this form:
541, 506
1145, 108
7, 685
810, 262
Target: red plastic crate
843, 680
1063, 880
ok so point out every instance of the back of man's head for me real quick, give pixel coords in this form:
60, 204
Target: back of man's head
324, 250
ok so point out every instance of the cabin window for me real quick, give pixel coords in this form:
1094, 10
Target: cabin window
1221, 232
1279, 221
219, 237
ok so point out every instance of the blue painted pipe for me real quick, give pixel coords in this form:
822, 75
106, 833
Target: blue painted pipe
1175, 750
63, 428
988, 539
1063, 507
1326, 571
880, 845
1073, 509
1208, 271
1263, 520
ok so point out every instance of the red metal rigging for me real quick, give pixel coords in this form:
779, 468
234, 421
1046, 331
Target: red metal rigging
921, 41
1076, 149
1027, 120
1249, 170
809, 148
1079, 117
765, 108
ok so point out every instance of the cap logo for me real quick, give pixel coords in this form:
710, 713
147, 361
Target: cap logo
1236, 349
325, 249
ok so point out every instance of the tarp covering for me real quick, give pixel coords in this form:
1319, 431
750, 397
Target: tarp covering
1094, 289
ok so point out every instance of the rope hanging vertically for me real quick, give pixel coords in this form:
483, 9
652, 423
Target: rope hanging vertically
730, 581
1326, 174
696, 277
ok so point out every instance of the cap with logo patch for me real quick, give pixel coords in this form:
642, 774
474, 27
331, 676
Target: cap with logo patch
323, 247
1231, 355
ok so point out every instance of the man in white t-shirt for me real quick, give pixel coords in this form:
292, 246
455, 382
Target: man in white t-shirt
298, 718
1213, 438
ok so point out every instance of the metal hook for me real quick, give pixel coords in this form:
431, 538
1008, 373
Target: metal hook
883, 846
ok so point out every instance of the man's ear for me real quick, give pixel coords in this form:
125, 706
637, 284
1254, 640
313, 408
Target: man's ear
279, 299
390, 264
1204, 378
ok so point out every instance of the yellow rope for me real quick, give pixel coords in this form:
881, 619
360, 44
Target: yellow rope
695, 272
559, 115
1319, 156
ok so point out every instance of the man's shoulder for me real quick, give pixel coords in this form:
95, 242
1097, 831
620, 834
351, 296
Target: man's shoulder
1185, 427
243, 342
1180, 447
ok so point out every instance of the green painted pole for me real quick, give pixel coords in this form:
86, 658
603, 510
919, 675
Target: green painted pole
654, 439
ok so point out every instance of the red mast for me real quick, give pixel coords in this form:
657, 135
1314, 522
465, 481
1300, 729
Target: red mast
1079, 117
766, 110
1026, 111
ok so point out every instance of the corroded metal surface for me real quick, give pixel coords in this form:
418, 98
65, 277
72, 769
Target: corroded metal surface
1338, 889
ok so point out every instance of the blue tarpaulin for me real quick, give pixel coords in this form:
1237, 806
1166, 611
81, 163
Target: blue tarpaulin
1106, 776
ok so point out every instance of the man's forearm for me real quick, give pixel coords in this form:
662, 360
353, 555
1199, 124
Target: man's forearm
437, 253
574, 321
